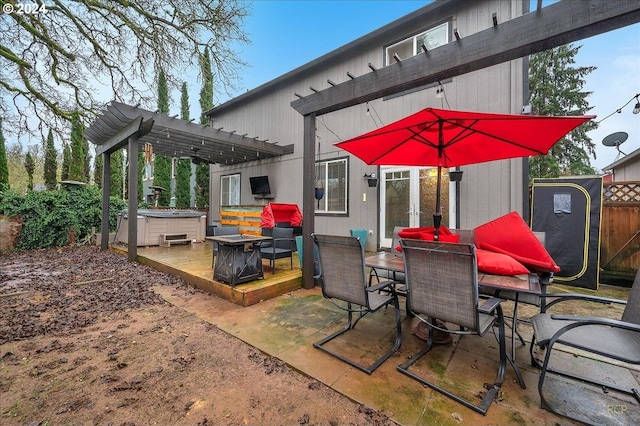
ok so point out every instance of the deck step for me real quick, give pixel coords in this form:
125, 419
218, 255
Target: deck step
167, 239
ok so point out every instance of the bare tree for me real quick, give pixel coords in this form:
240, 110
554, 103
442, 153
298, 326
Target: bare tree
66, 56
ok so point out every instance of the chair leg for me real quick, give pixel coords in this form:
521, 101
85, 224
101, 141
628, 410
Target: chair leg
407, 307
492, 392
349, 325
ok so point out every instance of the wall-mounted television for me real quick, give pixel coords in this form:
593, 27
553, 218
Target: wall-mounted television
260, 185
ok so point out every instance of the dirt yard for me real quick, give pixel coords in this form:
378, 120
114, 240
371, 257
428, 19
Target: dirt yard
84, 340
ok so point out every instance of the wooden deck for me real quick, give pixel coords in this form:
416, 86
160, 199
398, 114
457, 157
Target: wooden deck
192, 263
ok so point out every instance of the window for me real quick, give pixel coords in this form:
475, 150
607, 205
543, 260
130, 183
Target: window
432, 38
230, 190
331, 175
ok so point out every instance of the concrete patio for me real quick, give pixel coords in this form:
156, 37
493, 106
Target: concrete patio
285, 327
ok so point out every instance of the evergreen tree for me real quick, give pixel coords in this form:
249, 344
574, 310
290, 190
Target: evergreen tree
50, 163
163, 93
78, 156
66, 161
87, 159
183, 172
30, 166
162, 163
184, 103
555, 89
98, 165
206, 103
4, 165
116, 178
183, 180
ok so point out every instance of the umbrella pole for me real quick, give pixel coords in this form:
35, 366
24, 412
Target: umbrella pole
437, 216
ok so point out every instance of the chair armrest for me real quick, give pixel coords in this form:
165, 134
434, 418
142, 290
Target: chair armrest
490, 305
563, 297
582, 320
381, 286
292, 241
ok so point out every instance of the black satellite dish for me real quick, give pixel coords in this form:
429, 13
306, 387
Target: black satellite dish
615, 139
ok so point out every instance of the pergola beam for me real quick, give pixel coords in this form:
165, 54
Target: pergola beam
137, 127
554, 25
177, 138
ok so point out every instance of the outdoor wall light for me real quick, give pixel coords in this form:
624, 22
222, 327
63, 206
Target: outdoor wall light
455, 176
636, 109
372, 180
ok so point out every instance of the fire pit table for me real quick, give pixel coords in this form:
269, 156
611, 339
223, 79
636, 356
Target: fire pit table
238, 259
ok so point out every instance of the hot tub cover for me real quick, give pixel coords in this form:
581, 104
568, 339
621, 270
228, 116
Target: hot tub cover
280, 212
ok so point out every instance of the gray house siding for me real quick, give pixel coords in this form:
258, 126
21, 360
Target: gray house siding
487, 190
627, 168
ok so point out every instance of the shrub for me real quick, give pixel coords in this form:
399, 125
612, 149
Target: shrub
47, 216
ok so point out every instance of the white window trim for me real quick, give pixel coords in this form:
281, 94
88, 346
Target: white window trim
234, 190
414, 39
325, 183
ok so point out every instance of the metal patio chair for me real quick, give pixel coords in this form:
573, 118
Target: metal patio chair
617, 340
344, 279
398, 277
281, 246
442, 281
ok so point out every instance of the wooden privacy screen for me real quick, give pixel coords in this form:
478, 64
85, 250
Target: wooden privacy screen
246, 217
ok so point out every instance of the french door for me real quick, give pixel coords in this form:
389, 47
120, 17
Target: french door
408, 198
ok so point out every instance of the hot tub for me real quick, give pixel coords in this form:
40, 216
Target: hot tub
154, 223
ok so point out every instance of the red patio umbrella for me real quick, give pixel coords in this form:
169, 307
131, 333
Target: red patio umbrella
446, 138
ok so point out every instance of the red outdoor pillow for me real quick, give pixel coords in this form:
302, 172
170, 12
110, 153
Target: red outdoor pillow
427, 233
509, 234
499, 264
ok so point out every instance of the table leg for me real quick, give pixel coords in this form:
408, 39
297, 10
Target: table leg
514, 328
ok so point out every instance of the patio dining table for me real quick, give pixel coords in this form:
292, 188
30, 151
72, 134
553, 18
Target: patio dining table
487, 284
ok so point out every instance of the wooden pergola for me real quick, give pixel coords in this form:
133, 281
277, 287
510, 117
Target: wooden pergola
120, 125
554, 25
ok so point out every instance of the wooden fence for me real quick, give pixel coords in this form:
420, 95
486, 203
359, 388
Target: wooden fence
620, 231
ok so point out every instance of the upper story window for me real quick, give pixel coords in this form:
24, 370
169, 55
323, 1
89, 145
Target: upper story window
331, 175
432, 38
230, 190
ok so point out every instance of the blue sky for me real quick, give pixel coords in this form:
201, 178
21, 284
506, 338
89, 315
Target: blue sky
287, 34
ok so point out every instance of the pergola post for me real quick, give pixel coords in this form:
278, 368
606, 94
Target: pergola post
308, 198
132, 154
106, 192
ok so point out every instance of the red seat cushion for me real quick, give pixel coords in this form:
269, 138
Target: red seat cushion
427, 233
499, 264
509, 234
